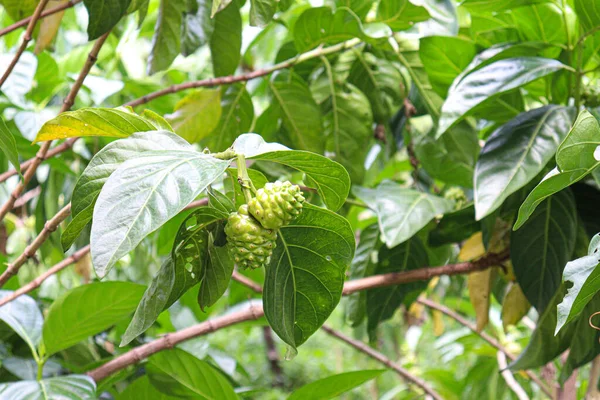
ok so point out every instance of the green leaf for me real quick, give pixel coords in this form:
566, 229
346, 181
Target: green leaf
588, 13
359, 7
303, 282
219, 201
455, 227
444, 58
489, 81
24, 317
226, 41
334, 385
584, 274
533, 22
104, 15
138, 198
197, 28
8, 145
236, 118
18, 9
262, 11
480, 6
166, 43
299, 111
216, 275
320, 25
516, 153
69, 387
104, 163
382, 303
111, 122
218, 6
88, 310
401, 212
178, 373
540, 250
142, 389
191, 257
400, 14
197, 114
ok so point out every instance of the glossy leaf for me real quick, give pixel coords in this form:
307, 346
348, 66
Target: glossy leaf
303, 282
197, 114
8, 145
216, 277
138, 198
400, 14
24, 317
226, 41
262, 11
179, 373
383, 302
197, 28
497, 5
492, 80
542, 247
88, 310
533, 21
455, 227
320, 25
166, 43
104, 163
516, 153
401, 212
180, 272
142, 389
584, 274
333, 386
111, 122
69, 387
588, 13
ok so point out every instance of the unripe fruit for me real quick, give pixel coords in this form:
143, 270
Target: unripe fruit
276, 204
250, 244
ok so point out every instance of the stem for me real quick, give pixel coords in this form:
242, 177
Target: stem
225, 155
40, 368
578, 74
243, 178
356, 203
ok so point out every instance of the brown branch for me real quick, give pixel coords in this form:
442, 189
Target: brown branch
169, 340
44, 14
273, 356
33, 193
423, 274
509, 378
26, 39
30, 250
360, 346
463, 321
244, 280
67, 104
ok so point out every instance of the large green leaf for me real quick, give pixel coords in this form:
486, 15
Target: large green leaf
359, 7
19, 9
24, 317
489, 81
320, 25
497, 5
236, 118
444, 58
303, 282
542, 247
179, 373
215, 276
104, 163
226, 41
112, 122
69, 387
166, 43
400, 14
588, 13
8, 145
516, 153
576, 155
144, 193
401, 212
334, 385
142, 389
104, 15
88, 310
197, 27
454, 227
584, 274
382, 303
299, 112
262, 11
187, 266
533, 22
197, 114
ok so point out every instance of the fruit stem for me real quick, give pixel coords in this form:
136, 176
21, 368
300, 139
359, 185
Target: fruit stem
243, 178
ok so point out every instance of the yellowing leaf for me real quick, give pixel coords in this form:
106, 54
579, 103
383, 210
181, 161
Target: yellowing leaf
49, 26
438, 323
197, 115
480, 285
515, 306
508, 272
472, 248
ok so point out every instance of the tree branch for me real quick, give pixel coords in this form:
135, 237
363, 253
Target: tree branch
360, 346
50, 11
273, 356
509, 378
169, 340
67, 104
26, 39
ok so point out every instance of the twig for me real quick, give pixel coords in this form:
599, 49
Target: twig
26, 39
423, 274
360, 346
463, 321
273, 356
509, 378
44, 14
67, 104
249, 283
169, 340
